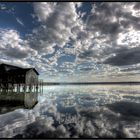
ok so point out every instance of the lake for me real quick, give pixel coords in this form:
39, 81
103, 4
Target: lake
77, 111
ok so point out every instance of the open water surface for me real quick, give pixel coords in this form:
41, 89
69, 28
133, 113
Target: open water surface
77, 111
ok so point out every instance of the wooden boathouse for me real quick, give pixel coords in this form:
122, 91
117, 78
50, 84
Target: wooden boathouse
15, 80
19, 86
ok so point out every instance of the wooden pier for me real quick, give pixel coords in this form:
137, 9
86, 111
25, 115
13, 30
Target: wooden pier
21, 88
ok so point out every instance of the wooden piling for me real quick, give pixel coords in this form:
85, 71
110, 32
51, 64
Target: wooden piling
14, 79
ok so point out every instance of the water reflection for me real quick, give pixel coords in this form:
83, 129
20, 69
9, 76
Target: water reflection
77, 111
12, 101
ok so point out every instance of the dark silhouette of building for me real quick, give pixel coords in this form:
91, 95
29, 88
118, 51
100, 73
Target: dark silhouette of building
17, 79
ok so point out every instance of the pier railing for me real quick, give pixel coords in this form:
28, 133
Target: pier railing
9, 87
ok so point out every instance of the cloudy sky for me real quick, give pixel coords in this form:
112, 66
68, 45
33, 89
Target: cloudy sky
73, 41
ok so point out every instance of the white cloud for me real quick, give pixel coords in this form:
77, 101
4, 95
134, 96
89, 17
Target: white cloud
13, 46
101, 36
20, 22
43, 10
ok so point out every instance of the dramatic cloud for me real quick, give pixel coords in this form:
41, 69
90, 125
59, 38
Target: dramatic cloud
100, 37
125, 57
55, 29
13, 46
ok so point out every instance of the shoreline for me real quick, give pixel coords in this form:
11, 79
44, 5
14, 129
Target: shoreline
94, 83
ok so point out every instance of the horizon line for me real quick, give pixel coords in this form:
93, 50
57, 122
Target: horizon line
78, 83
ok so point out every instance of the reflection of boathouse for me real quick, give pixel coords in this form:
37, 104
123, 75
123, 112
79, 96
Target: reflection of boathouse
16, 79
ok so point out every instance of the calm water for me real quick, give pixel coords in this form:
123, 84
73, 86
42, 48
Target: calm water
77, 111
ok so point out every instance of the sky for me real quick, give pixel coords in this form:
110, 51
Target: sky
72, 41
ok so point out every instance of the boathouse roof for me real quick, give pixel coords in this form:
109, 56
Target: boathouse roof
15, 69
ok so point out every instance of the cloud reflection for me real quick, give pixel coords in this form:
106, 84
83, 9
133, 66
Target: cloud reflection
68, 115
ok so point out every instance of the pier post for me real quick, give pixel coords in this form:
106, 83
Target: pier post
42, 86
